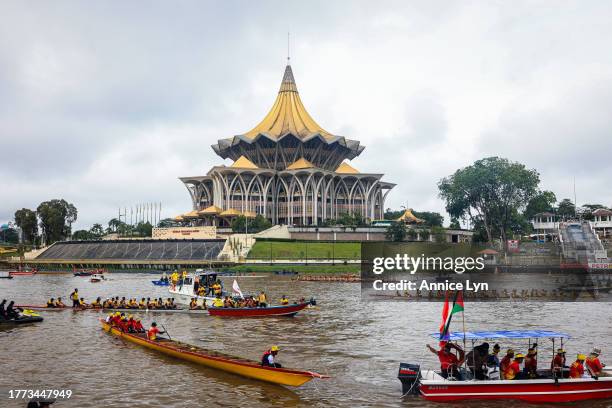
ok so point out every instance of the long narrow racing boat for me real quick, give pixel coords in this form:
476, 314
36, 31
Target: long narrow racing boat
216, 360
98, 309
287, 311
547, 388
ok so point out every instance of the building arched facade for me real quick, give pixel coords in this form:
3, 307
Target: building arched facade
289, 170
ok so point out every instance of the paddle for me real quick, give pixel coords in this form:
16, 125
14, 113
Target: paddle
166, 331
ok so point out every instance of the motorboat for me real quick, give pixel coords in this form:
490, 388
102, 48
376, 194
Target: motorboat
547, 387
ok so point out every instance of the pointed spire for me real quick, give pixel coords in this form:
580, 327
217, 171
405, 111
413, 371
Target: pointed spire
288, 84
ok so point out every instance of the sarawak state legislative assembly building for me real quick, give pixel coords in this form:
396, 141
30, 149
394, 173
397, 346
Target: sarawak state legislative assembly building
288, 169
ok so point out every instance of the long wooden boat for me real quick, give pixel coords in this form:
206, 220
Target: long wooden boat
98, 309
287, 311
216, 360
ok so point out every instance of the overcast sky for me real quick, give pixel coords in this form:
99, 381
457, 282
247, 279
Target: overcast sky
105, 104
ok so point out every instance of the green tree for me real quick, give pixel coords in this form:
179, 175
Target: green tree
27, 221
82, 235
56, 217
566, 209
113, 225
424, 234
396, 232
96, 231
542, 202
439, 234
167, 223
411, 233
392, 214
143, 229
454, 224
432, 219
586, 211
489, 190
9, 234
242, 224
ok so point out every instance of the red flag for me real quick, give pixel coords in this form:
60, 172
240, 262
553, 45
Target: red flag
444, 317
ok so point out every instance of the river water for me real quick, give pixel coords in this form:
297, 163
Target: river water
359, 344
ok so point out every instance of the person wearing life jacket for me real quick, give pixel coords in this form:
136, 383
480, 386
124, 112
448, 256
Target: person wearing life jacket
594, 365
217, 288
116, 319
505, 363
74, 296
193, 305
51, 302
153, 332
59, 303
284, 301
449, 363
130, 324
577, 367
138, 326
82, 303
218, 302
557, 366
201, 291
263, 300
96, 304
530, 367
142, 304
513, 372
267, 359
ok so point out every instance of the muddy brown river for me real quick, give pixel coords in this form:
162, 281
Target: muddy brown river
359, 344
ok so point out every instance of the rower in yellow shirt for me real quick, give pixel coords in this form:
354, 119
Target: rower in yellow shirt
218, 302
263, 300
284, 301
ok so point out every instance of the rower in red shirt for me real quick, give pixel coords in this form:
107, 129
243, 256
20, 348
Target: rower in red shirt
558, 363
577, 367
153, 332
449, 363
138, 328
513, 372
594, 365
504, 365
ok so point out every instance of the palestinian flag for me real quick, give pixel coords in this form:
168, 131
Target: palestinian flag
447, 314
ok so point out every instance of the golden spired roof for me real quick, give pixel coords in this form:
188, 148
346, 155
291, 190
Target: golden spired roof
345, 168
409, 217
301, 163
288, 114
244, 163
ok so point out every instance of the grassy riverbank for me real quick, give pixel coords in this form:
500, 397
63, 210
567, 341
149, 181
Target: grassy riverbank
305, 250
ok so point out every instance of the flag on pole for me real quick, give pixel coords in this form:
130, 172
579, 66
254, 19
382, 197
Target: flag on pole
236, 288
447, 314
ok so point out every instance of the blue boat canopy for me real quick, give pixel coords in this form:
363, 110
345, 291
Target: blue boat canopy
503, 334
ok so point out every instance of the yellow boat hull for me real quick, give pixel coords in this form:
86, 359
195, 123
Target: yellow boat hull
244, 368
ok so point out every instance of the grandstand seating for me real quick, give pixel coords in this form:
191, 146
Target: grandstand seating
197, 249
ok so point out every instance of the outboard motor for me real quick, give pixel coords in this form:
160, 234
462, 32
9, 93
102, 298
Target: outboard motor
410, 376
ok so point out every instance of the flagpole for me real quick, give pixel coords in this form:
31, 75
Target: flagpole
464, 343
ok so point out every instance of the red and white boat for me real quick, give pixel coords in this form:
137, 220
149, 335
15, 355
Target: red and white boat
22, 272
287, 311
431, 385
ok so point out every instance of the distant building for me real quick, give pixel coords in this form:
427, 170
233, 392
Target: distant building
547, 224
288, 169
602, 223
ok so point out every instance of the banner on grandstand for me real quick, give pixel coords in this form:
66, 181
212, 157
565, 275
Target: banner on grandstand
209, 232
